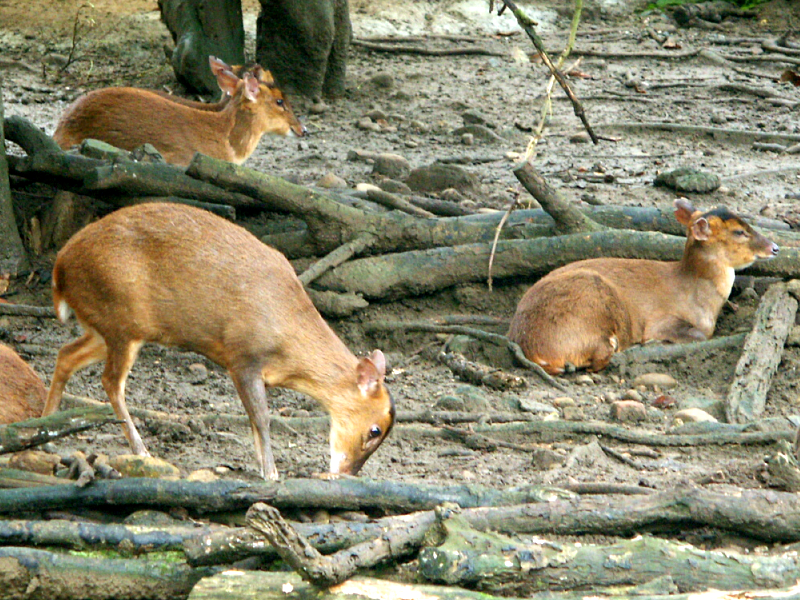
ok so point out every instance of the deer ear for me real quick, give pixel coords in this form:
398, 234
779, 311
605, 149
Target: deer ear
683, 211
217, 66
227, 81
370, 373
701, 230
251, 89
264, 76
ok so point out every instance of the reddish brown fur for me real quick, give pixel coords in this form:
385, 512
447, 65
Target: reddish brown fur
22, 393
181, 276
582, 313
130, 117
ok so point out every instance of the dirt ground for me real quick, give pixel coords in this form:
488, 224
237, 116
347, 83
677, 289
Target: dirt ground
425, 100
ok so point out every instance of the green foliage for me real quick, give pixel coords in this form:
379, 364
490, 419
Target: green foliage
663, 4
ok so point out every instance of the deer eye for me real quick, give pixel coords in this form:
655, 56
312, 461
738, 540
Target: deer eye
740, 233
279, 101
374, 432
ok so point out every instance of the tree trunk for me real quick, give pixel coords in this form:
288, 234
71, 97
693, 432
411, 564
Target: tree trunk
13, 259
203, 28
498, 563
304, 43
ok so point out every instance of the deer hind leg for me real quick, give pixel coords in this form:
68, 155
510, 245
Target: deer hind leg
253, 393
119, 361
86, 350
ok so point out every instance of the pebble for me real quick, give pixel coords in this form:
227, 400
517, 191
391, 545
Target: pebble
534, 406
480, 132
132, 465
563, 401
418, 126
712, 406
475, 117
467, 139
367, 187
692, 415
544, 458
391, 165
393, 186
628, 411
205, 475
437, 177
579, 138
572, 413
383, 80
584, 379
632, 394
198, 373
368, 124
331, 181
655, 380
451, 195
377, 115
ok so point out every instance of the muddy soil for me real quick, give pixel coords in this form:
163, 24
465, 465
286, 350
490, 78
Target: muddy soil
424, 98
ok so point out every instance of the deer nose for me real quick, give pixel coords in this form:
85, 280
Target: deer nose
774, 249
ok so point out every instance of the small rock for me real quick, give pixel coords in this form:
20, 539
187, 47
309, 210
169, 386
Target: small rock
438, 177
653, 380
584, 379
475, 117
628, 411
474, 399
377, 115
686, 179
383, 80
572, 413
331, 181
198, 373
205, 475
533, 406
712, 406
318, 107
563, 402
393, 186
580, 138
368, 124
361, 155
543, 459
391, 165
691, 415
132, 465
451, 195
480, 132
367, 187
450, 403
418, 126
467, 139
322, 516
632, 394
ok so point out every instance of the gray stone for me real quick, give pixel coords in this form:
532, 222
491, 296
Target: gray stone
391, 165
435, 178
655, 380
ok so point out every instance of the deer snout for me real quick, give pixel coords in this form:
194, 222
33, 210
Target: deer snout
298, 130
774, 249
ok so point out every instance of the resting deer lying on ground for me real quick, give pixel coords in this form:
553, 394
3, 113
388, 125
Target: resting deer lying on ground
584, 312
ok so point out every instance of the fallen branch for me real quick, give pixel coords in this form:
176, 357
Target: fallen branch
763, 349
478, 374
28, 573
34, 432
657, 352
422, 50
22, 310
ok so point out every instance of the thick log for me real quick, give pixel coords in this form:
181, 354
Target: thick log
761, 514
34, 432
497, 563
763, 349
137, 539
32, 574
426, 271
219, 496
